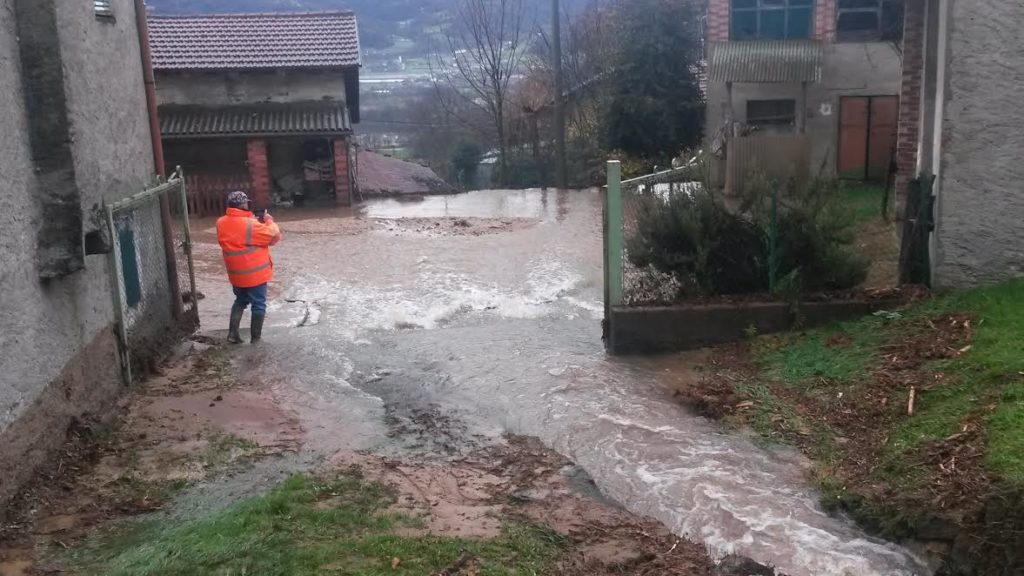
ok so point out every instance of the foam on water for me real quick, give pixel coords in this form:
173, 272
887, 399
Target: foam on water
437, 299
503, 332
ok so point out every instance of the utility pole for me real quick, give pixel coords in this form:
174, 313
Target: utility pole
559, 120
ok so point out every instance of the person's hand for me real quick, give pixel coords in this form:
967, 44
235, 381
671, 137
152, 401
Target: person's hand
267, 216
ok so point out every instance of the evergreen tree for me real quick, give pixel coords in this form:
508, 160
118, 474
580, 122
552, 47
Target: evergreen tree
655, 107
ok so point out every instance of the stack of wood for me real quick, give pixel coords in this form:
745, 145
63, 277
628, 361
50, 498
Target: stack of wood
319, 170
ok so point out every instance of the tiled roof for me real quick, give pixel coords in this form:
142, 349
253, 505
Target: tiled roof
245, 41
325, 119
783, 61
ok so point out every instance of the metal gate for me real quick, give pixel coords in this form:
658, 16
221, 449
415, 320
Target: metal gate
152, 275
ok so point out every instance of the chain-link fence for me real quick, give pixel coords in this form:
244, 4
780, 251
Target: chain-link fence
153, 281
626, 283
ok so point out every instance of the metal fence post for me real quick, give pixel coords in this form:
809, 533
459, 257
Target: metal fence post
613, 235
124, 350
187, 244
773, 243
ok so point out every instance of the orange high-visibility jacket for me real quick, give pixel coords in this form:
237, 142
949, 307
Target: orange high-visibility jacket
246, 244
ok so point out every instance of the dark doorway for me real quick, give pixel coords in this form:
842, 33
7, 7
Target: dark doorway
867, 136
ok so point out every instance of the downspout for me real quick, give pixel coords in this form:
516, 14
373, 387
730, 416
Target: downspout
158, 157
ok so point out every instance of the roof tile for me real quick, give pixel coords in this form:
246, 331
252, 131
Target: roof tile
325, 119
244, 41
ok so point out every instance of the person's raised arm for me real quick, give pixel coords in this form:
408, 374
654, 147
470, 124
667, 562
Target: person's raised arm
265, 233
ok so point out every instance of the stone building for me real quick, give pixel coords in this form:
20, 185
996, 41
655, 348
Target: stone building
76, 134
822, 77
963, 123
261, 102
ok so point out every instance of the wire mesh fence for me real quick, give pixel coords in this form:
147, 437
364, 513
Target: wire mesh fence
153, 281
631, 284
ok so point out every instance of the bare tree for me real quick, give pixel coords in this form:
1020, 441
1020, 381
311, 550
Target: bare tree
484, 53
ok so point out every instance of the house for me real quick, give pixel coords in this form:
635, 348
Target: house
821, 77
963, 124
76, 137
261, 102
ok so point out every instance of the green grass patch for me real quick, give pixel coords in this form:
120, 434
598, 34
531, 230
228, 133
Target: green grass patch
306, 526
862, 201
842, 353
985, 382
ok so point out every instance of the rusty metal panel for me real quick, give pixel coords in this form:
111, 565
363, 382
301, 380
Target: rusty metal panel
777, 156
768, 61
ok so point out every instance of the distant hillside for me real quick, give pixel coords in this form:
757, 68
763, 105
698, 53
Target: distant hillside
379, 20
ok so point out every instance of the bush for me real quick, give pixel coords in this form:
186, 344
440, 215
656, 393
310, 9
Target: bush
712, 250
815, 232
693, 238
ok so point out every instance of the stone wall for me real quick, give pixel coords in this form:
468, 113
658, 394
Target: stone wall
58, 364
979, 234
249, 87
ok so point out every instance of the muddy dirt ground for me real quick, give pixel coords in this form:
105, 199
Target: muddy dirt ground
195, 423
429, 342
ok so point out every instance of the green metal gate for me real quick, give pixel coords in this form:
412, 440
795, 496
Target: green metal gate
152, 280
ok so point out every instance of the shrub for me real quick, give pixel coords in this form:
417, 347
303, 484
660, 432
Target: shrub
705, 247
713, 250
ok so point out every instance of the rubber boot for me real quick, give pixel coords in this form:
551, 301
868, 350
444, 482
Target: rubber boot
256, 330
236, 320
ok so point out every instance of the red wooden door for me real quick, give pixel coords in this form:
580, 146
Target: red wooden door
867, 136
882, 136
853, 137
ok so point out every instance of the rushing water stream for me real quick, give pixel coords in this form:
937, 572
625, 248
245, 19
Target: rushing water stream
496, 328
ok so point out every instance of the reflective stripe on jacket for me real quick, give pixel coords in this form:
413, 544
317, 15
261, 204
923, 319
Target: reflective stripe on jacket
246, 244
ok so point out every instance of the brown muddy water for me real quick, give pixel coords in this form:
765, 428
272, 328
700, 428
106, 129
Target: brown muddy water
430, 328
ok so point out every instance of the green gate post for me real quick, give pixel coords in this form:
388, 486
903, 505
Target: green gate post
613, 235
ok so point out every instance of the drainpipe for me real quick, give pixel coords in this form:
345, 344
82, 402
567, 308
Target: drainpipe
158, 157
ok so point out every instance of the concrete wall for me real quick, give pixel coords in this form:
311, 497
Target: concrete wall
848, 69
979, 233
663, 329
59, 363
251, 87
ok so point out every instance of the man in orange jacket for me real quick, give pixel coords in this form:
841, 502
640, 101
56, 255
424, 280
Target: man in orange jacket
246, 241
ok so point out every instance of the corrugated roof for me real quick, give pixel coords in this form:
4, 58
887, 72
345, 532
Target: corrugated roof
765, 61
325, 119
244, 41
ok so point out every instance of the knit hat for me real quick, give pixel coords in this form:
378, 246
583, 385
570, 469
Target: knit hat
238, 199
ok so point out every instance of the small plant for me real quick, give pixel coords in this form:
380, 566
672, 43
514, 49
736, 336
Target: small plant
750, 332
889, 315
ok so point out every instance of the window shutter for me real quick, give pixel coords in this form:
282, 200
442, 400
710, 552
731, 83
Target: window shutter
103, 9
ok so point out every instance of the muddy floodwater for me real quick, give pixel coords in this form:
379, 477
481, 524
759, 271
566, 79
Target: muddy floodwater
431, 328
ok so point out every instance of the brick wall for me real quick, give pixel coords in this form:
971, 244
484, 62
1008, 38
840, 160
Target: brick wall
825, 20
342, 182
259, 172
910, 97
718, 20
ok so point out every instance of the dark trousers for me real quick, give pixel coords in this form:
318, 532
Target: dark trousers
255, 296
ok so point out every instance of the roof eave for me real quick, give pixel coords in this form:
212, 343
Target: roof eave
265, 135
339, 67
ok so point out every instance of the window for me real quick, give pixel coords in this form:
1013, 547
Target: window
771, 113
772, 19
103, 9
869, 20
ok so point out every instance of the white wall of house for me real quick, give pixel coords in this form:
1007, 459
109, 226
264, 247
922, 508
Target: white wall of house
222, 88
979, 235
59, 360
